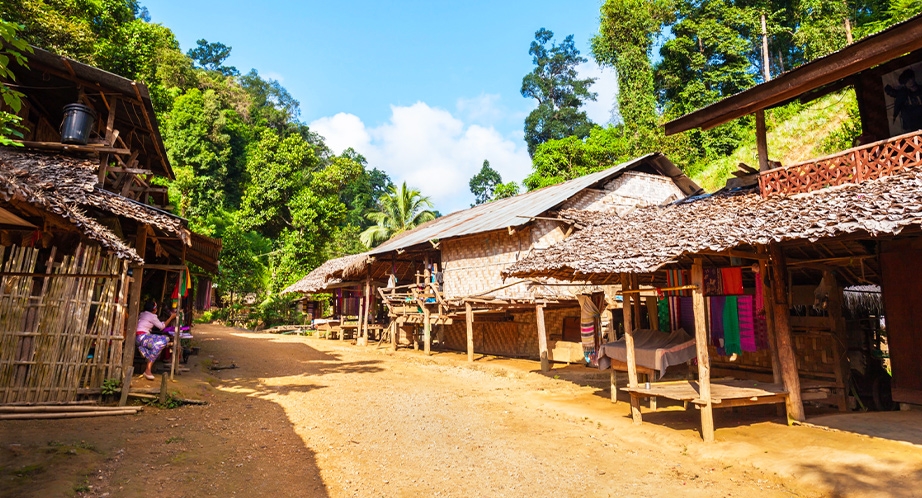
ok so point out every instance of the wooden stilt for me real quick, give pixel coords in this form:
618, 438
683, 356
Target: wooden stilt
395, 328
613, 384
469, 320
542, 338
770, 322
701, 345
358, 327
126, 385
782, 323
427, 331
626, 281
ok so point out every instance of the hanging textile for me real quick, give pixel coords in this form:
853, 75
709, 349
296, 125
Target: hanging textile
182, 287
713, 286
731, 326
675, 313
687, 315
760, 318
677, 278
732, 280
716, 308
662, 315
747, 316
588, 315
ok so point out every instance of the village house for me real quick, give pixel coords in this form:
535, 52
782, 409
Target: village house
779, 276
447, 273
84, 232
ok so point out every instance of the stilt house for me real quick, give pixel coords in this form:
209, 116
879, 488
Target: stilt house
791, 242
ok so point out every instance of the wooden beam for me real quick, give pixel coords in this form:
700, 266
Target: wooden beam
635, 299
427, 331
629, 348
99, 149
542, 338
469, 320
769, 318
701, 346
782, 323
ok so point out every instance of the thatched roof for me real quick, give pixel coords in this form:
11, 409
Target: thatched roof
67, 186
327, 274
651, 237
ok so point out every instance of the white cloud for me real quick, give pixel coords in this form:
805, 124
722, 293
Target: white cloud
430, 149
606, 86
272, 75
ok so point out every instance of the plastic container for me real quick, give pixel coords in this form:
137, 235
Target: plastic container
77, 124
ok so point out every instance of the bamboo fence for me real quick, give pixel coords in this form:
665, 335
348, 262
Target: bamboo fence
61, 329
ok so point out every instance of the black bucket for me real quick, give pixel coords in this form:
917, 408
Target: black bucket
77, 124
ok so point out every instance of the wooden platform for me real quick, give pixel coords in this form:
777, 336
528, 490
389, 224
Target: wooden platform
725, 393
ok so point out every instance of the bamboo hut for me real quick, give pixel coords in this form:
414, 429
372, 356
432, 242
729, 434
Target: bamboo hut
80, 221
792, 235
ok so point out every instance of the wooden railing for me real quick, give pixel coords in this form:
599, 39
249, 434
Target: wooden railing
855, 165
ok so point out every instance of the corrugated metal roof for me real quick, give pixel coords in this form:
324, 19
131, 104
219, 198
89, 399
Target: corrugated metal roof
518, 210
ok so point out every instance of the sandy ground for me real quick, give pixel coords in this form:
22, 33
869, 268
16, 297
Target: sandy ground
310, 417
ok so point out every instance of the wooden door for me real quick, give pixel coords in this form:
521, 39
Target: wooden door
902, 289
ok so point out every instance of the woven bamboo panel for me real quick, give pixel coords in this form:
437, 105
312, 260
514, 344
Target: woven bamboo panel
851, 166
507, 338
812, 350
59, 332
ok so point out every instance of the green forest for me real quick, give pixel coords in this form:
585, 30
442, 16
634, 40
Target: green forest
250, 172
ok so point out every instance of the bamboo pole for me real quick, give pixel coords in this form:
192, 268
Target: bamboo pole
542, 338
427, 331
795, 406
33, 416
64, 408
701, 346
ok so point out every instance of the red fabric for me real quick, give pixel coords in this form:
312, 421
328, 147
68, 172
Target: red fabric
732, 279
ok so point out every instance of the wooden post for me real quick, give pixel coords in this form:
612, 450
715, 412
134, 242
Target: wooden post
701, 346
629, 347
762, 141
134, 299
469, 320
636, 300
368, 300
126, 385
542, 338
358, 326
427, 331
613, 385
653, 311
177, 325
782, 323
163, 390
769, 318
837, 326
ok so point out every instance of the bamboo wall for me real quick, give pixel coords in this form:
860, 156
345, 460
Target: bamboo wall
62, 322
517, 337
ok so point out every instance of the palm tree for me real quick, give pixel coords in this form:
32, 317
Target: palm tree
399, 210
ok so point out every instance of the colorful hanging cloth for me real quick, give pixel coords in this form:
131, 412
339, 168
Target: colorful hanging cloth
747, 316
716, 308
731, 326
662, 315
677, 278
732, 280
713, 286
588, 315
687, 315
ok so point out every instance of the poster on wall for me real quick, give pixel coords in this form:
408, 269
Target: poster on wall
903, 95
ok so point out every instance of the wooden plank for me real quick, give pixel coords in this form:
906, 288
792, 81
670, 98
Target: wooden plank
100, 149
542, 338
781, 309
701, 341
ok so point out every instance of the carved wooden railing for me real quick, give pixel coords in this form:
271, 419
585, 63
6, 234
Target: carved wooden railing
856, 165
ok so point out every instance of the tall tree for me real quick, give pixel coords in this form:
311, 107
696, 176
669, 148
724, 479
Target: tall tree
211, 56
11, 52
560, 93
401, 209
484, 183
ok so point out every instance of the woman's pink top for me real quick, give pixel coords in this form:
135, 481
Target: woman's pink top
147, 321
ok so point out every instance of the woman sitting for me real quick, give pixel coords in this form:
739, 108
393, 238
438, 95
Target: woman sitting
151, 345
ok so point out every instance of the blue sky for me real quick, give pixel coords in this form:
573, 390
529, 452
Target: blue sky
426, 90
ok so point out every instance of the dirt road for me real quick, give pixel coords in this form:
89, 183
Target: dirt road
310, 417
